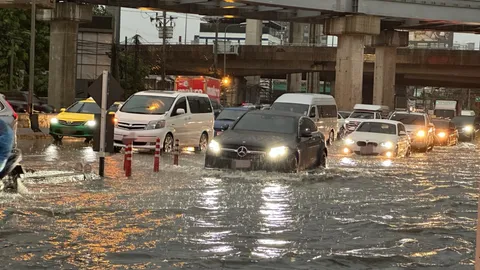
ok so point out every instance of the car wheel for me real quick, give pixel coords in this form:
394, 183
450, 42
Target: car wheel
203, 143
409, 152
57, 138
168, 143
292, 164
322, 159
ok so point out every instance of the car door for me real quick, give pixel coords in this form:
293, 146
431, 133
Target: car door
194, 122
403, 140
178, 122
309, 145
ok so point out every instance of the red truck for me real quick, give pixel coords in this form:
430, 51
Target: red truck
199, 84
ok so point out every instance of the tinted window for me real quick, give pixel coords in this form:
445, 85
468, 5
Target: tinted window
84, 107
445, 113
267, 123
441, 124
194, 103
205, 105
327, 111
147, 104
181, 104
461, 121
362, 115
290, 107
231, 115
409, 119
307, 123
312, 113
373, 127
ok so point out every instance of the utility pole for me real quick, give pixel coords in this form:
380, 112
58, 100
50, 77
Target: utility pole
137, 43
164, 50
125, 59
215, 58
186, 24
32, 57
12, 61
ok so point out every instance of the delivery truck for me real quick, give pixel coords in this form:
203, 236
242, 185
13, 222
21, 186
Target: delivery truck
447, 108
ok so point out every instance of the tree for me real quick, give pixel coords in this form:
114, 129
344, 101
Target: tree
100, 10
15, 39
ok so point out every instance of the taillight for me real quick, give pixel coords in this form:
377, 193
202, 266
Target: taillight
15, 115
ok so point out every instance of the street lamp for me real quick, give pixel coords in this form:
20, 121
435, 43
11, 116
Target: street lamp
225, 47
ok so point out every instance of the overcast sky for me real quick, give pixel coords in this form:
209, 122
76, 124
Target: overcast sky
135, 21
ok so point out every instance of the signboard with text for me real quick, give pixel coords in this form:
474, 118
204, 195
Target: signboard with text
200, 84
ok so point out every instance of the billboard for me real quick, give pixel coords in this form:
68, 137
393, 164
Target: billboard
426, 37
200, 84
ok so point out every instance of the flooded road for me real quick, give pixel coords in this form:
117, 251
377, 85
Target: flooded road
360, 213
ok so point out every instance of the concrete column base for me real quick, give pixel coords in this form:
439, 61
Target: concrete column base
294, 83
349, 71
384, 76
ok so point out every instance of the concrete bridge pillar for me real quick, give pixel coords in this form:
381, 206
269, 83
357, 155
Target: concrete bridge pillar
296, 34
64, 21
313, 78
253, 36
352, 32
385, 65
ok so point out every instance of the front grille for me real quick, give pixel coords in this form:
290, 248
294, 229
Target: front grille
236, 146
249, 156
71, 123
129, 126
362, 143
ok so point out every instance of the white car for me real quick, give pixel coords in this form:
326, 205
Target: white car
362, 112
419, 127
342, 116
378, 137
168, 115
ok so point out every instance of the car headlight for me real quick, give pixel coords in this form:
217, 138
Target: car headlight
54, 121
387, 145
157, 124
214, 146
349, 141
91, 123
468, 128
347, 121
278, 152
441, 134
421, 133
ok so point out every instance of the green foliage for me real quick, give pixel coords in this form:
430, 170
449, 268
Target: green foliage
100, 10
15, 39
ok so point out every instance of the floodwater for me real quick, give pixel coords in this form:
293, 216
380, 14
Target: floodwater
360, 213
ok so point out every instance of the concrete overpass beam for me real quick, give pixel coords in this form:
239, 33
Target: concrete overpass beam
296, 35
351, 32
385, 65
64, 21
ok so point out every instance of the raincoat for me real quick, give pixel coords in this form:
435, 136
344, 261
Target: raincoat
6, 143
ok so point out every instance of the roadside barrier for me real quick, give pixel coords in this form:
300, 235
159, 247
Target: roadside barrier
128, 160
177, 151
156, 160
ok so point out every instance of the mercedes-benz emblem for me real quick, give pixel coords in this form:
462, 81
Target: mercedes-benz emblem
242, 151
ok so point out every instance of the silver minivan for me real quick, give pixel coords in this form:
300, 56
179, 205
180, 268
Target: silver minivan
8, 115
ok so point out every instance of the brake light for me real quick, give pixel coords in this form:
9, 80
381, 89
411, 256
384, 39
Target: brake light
15, 114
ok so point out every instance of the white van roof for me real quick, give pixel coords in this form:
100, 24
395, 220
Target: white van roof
467, 113
303, 98
369, 107
168, 93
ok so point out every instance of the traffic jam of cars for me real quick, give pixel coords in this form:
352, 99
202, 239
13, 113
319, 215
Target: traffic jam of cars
293, 133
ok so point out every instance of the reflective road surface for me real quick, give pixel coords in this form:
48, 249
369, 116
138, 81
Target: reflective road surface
360, 213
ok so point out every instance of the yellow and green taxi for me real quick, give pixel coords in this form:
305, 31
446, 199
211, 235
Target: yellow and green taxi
78, 120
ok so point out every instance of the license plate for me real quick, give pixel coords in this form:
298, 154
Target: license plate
241, 164
366, 150
219, 132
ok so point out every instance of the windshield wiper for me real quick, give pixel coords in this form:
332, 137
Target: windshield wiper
228, 119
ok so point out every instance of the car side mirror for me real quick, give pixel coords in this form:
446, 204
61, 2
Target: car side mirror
216, 113
62, 110
306, 133
402, 133
225, 127
180, 111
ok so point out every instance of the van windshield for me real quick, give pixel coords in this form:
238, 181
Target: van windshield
362, 115
290, 107
143, 104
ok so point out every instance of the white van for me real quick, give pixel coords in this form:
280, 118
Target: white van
362, 112
168, 115
320, 108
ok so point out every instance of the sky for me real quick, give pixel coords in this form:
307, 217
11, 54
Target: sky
135, 21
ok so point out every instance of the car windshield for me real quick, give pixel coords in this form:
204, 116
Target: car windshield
231, 115
267, 123
143, 104
344, 114
84, 107
461, 121
113, 108
409, 119
290, 107
441, 124
363, 115
444, 113
374, 127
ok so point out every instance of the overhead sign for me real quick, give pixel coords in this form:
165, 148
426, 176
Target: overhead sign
477, 99
114, 93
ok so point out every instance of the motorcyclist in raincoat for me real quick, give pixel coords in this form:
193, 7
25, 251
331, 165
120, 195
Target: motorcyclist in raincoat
6, 143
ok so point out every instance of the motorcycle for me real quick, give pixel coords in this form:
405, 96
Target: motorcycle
12, 172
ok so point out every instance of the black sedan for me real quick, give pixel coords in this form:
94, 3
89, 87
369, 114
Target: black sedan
269, 140
468, 127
